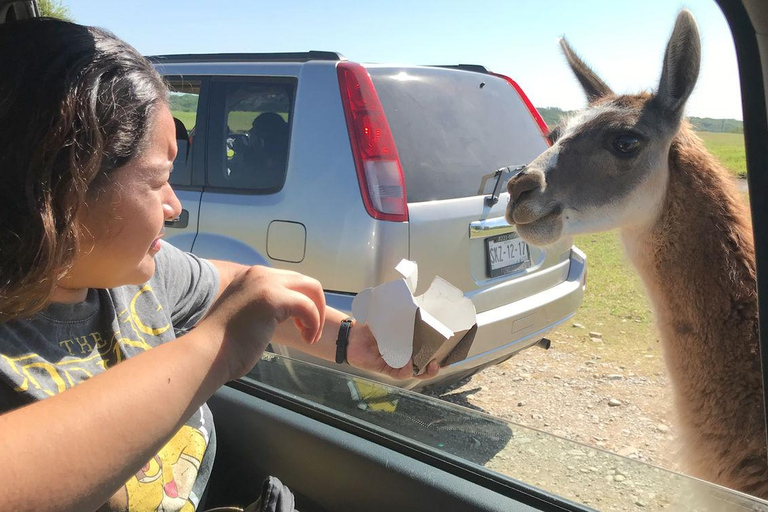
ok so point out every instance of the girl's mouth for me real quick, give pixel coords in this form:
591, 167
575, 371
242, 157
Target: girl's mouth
156, 245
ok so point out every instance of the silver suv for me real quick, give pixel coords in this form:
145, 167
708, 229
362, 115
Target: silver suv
338, 170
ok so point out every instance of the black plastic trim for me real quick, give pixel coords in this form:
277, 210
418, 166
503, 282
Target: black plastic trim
246, 57
477, 68
755, 134
450, 464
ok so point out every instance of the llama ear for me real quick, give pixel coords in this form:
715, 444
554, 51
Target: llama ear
590, 82
681, 66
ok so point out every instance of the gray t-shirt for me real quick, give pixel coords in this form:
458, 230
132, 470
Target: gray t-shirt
67, 343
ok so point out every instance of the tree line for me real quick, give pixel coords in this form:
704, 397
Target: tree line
552, 116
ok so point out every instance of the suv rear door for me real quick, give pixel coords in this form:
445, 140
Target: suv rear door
453, 130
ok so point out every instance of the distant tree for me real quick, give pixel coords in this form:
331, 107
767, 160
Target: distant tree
181, 102
54, 9
707, 124
553, 115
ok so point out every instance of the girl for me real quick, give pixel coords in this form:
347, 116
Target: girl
87, 143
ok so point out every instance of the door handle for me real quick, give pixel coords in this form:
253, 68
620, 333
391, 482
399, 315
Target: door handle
179, 222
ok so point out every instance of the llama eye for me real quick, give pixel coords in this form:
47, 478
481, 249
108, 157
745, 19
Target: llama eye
626, 143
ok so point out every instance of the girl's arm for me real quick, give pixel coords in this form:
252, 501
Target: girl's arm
363, 352
105, 429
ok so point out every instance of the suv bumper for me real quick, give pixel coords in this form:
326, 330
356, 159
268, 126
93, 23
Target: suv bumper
525, 321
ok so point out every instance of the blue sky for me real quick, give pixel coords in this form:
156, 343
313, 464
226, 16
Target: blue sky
623, 41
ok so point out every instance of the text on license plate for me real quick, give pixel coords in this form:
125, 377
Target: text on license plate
505, 254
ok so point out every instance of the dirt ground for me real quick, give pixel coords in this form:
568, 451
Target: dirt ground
574, 394
570, 395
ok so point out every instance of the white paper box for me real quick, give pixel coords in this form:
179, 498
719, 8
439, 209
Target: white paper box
440, 324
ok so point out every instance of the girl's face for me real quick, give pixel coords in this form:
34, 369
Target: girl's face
123, 224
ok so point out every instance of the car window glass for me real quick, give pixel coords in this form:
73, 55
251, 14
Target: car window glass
454, 128
184, 99
250, 146
605, 380
594, 417
574, 471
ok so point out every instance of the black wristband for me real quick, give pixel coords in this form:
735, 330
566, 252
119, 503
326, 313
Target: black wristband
343, 340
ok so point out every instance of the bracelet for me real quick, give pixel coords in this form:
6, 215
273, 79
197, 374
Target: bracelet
343, 340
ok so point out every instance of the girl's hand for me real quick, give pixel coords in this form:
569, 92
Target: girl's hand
245, 316
363, 353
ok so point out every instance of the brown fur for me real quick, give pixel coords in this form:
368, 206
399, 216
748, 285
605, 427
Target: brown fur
698, 264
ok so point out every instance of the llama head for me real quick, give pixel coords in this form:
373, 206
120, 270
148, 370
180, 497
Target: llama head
608, 164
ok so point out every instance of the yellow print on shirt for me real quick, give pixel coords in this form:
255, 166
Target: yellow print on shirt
165, 482
90, 353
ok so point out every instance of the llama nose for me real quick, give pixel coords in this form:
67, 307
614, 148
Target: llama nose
522, 183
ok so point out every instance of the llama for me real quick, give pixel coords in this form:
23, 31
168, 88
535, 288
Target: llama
631, 162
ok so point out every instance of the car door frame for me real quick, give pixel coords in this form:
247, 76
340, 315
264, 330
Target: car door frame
190, 195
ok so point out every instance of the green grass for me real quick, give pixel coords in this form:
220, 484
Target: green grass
239, 122
729, 149
188, 118
615, 305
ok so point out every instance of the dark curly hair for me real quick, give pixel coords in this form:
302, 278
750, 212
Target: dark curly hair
75, 104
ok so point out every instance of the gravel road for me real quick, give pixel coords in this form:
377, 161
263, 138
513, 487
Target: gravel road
607, 408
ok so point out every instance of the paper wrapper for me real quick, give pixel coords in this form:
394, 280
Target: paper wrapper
439, 324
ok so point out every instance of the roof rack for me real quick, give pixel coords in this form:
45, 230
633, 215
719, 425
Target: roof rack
247, 57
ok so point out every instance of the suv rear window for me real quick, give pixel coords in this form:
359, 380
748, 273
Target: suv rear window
454, 128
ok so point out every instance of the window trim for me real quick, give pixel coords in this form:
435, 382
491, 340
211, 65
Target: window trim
197, 161
451, 464
753, 99
215, 125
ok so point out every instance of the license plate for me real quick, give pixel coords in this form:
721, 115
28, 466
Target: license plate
505, 254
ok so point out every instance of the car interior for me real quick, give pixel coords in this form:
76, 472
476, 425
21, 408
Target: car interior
256, 148
342, 443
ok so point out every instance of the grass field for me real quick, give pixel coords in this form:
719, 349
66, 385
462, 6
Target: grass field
615, 305
729, 149
188, 118
239, 122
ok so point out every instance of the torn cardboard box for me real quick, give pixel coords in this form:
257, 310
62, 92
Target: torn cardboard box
440, 324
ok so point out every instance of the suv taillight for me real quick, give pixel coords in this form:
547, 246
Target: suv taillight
373, 148
534, 113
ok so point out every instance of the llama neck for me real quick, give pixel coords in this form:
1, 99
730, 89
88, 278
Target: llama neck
697, 262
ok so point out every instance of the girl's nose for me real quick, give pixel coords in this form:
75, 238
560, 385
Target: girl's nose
172, 207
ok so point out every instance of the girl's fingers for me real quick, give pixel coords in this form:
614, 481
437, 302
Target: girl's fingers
313, 290
306, 316
432, 369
